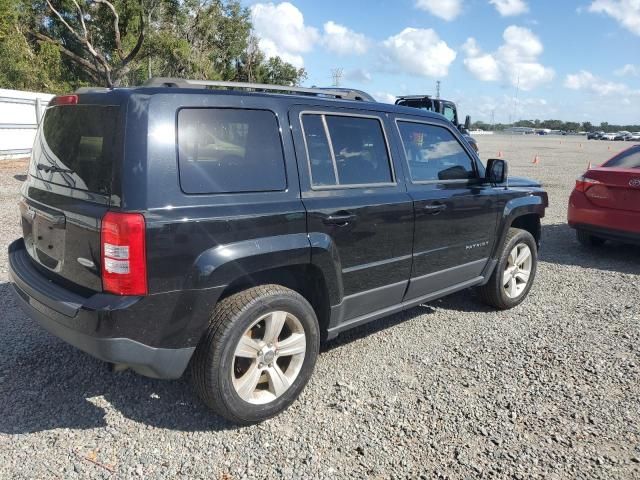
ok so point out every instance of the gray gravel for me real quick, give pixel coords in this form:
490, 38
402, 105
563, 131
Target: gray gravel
447, 390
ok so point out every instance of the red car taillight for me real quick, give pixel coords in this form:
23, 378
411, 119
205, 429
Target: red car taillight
124, 258
583, 183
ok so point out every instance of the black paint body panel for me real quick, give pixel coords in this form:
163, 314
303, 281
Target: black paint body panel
391, 255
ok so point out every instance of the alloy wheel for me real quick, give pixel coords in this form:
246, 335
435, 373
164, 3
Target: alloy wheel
518, 270
268, 357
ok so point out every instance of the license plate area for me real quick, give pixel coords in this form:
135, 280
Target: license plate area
44, 232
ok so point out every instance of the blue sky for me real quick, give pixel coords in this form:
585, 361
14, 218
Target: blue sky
570, 59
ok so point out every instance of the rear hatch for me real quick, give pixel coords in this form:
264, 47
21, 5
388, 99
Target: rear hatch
69, 189
618, 182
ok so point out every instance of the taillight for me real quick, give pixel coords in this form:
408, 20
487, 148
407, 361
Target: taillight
64, 100
124, 258
583, 183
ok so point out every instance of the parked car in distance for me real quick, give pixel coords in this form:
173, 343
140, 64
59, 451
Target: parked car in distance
605, 203
608, 136
622, 135
594, 135
231, 227
635, 136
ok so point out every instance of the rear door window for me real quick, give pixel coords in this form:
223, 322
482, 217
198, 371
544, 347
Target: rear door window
75, 147
346, 150
229, 150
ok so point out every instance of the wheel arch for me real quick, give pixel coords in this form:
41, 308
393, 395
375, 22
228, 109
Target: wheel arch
306, 279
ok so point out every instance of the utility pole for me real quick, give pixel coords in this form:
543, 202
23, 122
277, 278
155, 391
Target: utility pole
438, 89
336, 75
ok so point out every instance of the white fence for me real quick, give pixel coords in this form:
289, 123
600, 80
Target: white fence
20, 114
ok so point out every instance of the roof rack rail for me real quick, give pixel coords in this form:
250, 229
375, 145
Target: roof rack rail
341, 93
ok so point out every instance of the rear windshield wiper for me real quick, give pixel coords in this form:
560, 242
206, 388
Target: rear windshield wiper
52, 168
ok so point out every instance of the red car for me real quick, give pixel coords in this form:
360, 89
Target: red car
605, 204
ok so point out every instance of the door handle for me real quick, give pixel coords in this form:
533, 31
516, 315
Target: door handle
435, 208
339, 218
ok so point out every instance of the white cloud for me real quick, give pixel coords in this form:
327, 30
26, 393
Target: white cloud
282, 32
339, 39
516, 60
418, 52
358, 75
585, 80
628, 69
626, 12
385, 97
508, 108
445, 9
509, 8
483, 66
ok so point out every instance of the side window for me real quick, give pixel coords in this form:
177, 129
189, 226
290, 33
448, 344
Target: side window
354, 153
433, 153
449, 113
320, 156
229, 150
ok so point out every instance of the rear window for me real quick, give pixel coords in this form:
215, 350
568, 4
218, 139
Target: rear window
75, 147
627, 159
229, 150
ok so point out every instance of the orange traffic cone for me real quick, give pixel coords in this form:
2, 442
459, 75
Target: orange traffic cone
580, 145
536, 160
589, 166
609, 148
500, 154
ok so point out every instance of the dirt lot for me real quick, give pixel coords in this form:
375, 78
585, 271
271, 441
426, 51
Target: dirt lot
451, 389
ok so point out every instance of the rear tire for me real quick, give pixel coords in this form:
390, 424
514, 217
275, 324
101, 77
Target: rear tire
587, 240
257, 354
515, 272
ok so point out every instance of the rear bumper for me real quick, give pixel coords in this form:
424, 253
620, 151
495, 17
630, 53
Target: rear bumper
620, 225
97, 324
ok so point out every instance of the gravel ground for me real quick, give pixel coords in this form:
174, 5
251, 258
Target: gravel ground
446, 390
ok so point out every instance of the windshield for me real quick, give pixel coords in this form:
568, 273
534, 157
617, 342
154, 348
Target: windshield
74, 147
627, 159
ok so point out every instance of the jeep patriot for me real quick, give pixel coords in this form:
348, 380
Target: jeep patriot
227, 229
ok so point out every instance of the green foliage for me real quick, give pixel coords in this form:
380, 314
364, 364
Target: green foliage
57, 46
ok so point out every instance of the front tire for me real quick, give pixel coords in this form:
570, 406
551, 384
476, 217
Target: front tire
257, 354
515, 272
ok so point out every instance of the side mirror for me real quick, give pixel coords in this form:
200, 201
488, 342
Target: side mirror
497, 170
467, 122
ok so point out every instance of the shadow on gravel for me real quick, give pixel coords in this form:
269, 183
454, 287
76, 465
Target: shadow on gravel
375, 327
46, 384
560, 247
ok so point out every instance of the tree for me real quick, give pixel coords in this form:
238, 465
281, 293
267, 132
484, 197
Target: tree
91, 35
586, 126
57, 45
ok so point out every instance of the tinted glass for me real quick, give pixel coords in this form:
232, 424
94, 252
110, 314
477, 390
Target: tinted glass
627, 159
320, 161
360, 150
75, 147
226, 150
449, 113
433, 153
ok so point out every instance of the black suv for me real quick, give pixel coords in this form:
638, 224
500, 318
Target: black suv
231, 229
